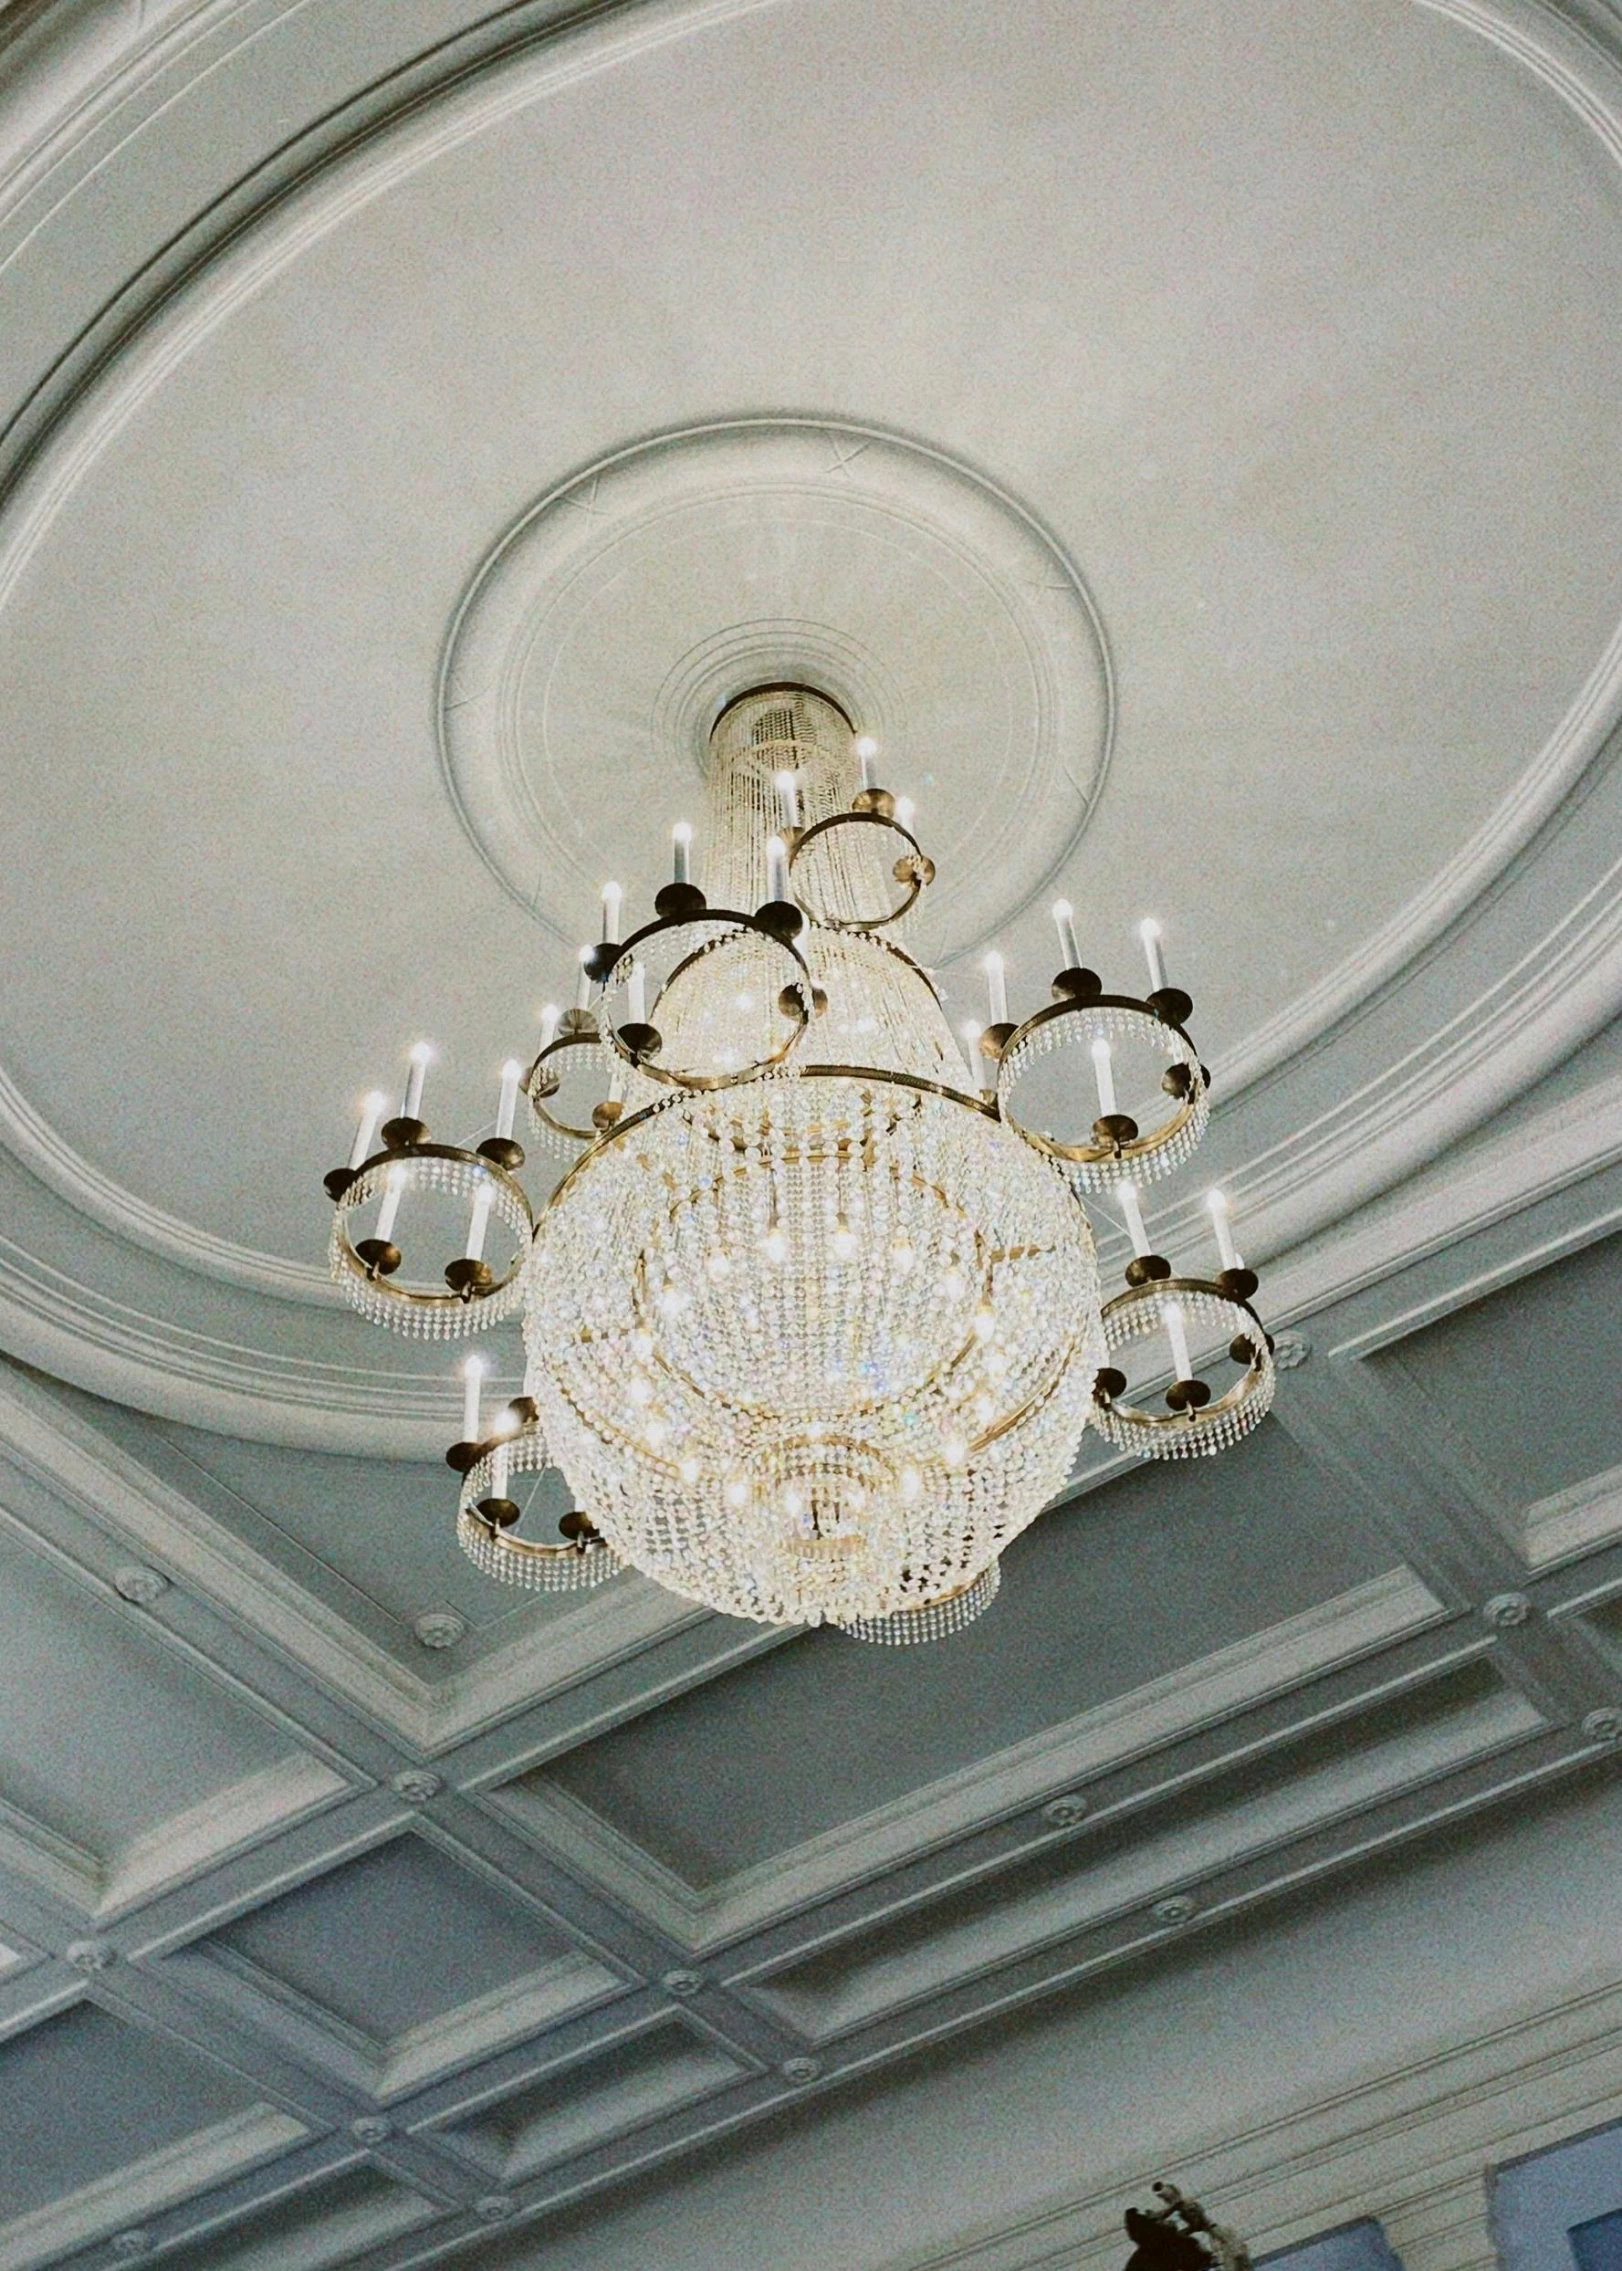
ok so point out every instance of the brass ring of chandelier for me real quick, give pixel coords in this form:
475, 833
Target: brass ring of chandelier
475, 1295
1195, 1424
885, 1078
1115, 1150
935, 1619
913, 869
578, 1030
638, 1045
486, 1517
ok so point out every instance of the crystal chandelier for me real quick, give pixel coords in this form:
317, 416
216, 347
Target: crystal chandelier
812, 1316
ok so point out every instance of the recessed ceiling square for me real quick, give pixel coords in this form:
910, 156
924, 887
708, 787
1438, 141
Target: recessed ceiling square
1149, 1573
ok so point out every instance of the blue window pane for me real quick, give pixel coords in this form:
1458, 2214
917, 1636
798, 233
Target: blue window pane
1598, 2245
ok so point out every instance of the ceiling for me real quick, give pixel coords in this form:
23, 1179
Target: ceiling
1190, 438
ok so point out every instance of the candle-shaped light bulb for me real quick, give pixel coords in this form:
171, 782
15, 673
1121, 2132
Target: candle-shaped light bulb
512, 1072
612, 895
996, 971
906, 812
867, 750
550, 1013
1103, 1073
411, 1109
371, 1113
788, 797
478, 1222
1223, 1227
501, 1470
1132, 1216
1149, 932
582, 991
616, 1082
971, 1049
473, 1372
1177, 1334
636, 994
681, 845
776, 868
1064, 922
394, 1184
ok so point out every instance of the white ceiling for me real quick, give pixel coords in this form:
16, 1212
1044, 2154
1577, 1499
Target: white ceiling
1189, 437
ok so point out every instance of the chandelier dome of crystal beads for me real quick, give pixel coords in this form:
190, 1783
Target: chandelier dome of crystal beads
813, 1320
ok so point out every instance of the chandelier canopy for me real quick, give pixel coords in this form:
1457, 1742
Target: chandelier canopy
812, 1318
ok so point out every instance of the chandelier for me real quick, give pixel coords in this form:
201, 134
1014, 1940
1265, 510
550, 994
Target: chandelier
812, 1316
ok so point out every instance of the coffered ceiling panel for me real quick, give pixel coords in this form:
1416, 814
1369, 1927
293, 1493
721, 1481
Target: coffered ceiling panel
1152, 1572
167, 1738
1283, 1793
327, 2222
619, 2088
148, 2119
374, 1539
1526, 1381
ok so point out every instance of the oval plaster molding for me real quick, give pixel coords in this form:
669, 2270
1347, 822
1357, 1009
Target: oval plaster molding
665, 578
383, 131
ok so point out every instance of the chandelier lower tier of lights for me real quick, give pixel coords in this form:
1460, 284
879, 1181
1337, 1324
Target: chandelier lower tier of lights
812, 1315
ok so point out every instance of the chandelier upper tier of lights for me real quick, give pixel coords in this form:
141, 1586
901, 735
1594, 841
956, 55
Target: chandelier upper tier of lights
812, 1317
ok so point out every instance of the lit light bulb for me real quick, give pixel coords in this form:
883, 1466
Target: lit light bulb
640, 1388
420, 1058
902, 1256
906, 812
867, 750
658, 1433
371, 1113
954, 1284
1149, 932
473, 1372
985, 1323
844, 1240
718, 1266
681, 839
775, 1245
506, 1422
954, 1450
688, 1470
550, 1016
642, 1344
736, 1493
912, 1482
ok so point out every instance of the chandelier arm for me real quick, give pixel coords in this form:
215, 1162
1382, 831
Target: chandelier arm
914, 868
476, 1296
1192, 1429
796, 1002
1116, 1151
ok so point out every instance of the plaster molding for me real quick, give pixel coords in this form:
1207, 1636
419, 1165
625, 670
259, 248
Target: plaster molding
223, 2150
230, 1821
1212, 1688
1497, 1177
1423, 1103
92, 1192
1408, 2145
935, 533
397, 2067
124, 1499
1573, 1521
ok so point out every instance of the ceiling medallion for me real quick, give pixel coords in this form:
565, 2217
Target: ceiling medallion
813, 1317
